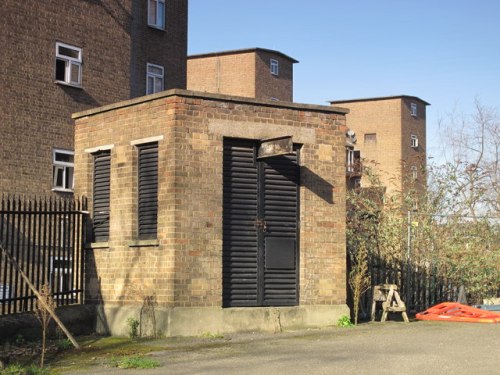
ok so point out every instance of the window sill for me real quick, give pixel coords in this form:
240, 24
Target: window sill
63, 83
62, 190
144, 243
98, 245
156, 27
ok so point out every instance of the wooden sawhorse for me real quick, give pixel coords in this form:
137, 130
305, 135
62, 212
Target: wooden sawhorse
391, 301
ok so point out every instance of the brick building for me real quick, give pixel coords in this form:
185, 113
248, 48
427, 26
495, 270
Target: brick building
189, 208
391, 132
256, 73
59, 57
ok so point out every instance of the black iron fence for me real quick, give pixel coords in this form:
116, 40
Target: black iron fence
45, 237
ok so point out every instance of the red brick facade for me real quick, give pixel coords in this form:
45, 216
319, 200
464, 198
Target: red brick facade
116, 44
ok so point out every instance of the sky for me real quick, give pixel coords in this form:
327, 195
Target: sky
444, 52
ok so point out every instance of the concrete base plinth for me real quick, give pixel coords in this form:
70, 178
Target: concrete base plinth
194, 321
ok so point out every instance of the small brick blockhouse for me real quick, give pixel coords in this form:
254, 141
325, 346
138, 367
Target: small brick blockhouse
188, 210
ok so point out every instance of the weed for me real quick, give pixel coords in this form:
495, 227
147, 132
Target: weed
344, 321
12, 369
44, 305
210, 335
20, 339
17, 369
133, 325
63, 344
134, 362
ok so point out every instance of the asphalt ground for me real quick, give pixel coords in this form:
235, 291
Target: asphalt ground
373, 348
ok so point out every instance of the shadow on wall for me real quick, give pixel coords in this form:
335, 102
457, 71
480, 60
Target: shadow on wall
93, 293
79, 96
135, 302
312, 181
116, 11
317, 184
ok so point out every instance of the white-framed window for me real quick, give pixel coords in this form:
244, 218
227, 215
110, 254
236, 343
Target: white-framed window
413, 107
275, 67
61, 279
350, 160
154, 79
414, 141
68, 64
353, 158
415, 204
156, 14
414, 173
63, 163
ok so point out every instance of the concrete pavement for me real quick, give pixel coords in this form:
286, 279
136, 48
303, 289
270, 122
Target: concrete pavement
374, 348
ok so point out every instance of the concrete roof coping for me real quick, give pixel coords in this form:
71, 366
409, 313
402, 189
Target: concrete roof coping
244, 50
210, 96
378, 98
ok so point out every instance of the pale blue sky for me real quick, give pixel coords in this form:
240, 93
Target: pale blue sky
445, 52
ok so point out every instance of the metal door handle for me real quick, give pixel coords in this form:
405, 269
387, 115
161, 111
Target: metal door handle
260, 224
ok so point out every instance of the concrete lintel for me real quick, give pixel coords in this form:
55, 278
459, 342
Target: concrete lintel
141, 141
257, 130
98, 148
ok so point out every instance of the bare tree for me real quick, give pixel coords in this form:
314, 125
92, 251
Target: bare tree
44, 316
472, 167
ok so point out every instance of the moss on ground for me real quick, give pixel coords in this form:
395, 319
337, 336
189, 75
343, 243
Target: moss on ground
98, 351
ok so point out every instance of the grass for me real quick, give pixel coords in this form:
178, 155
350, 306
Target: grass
99, 352
18, 369
209, 335
135, 361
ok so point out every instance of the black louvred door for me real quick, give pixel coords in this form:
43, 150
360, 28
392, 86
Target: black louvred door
148, 190
100, 197
280, 206
260, 212
240, 243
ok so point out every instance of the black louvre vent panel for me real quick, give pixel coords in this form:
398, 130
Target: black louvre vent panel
240, 246
280, 206
148, 190
260, 211
101, 190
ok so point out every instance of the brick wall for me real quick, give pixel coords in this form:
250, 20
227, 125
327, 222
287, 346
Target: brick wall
184, 266
390, 119
242, 73
35, 115
229, 74
413, 157
269, 86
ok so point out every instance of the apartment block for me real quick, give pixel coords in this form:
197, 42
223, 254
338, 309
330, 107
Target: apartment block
256, 73
60, 57
390, 134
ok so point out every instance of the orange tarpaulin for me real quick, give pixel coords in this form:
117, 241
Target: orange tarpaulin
456, 312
